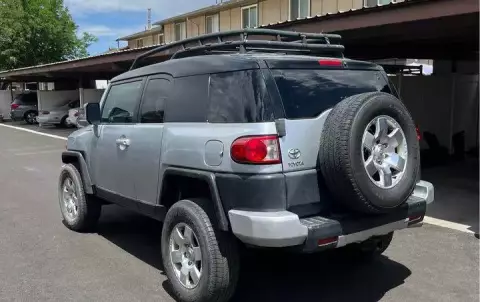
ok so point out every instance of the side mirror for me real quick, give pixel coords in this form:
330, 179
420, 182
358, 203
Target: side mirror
92, 113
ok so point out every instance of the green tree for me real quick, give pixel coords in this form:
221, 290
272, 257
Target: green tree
34, 32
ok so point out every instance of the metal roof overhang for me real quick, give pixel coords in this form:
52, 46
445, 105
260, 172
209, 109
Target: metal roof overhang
422, 29
104, 66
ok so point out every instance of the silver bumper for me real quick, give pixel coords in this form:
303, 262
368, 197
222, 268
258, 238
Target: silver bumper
283, 228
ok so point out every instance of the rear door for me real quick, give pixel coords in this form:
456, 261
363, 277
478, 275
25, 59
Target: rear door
112, 147
146, 137
307, 96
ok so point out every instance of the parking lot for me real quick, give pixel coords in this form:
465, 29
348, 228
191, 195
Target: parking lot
41, 260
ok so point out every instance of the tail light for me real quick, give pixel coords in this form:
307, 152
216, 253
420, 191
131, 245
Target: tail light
76, 114
14, 106
419, 134
330, 62
256, 150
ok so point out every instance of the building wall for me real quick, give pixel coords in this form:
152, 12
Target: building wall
269, 11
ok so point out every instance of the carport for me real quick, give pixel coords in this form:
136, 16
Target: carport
74, 79
445, 105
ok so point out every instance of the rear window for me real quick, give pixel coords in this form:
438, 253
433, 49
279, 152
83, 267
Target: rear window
239, 97
26, 98
306, 93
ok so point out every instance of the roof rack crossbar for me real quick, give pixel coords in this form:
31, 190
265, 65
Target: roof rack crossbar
285, 37
242, 46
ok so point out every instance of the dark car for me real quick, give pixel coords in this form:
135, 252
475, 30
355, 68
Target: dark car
25, 107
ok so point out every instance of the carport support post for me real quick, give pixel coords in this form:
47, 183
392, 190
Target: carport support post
452, 113
80, 91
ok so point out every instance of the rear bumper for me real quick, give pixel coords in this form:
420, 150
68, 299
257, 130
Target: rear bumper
284, 228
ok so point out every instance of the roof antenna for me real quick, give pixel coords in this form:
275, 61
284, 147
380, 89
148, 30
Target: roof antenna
149, 19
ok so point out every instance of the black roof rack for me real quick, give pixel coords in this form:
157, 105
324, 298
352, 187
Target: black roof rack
279, 41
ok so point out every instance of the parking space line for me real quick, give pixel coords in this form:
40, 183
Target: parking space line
448, 224
35, 132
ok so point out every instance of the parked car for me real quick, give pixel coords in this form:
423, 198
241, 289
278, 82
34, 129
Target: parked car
74, 115
270, 144
25, 107
57, 116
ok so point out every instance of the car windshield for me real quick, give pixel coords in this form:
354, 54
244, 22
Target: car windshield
306, 93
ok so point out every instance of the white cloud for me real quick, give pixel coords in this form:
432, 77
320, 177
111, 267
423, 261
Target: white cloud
160, 8
106, 31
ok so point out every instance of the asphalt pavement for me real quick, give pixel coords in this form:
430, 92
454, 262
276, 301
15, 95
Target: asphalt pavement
41, 260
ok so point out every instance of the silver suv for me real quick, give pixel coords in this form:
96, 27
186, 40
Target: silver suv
278, 142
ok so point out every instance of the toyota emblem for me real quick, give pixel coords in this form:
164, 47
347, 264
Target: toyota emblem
294, 153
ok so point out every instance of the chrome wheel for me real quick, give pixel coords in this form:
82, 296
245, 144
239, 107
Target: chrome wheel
69, 197
31, 118
384, 150
185, 255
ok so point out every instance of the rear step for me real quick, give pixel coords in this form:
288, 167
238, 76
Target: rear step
323, 232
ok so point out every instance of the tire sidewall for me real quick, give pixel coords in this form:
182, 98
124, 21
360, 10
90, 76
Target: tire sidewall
384, 104
69, 171
182, 212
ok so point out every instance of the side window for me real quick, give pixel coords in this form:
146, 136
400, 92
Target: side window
239, 97
153, 105
189, 100
121, 102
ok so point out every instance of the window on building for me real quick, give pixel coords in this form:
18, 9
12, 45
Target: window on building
249, 16
160, 39
139, 43
299, 9
370, 3
180, 31
212, 24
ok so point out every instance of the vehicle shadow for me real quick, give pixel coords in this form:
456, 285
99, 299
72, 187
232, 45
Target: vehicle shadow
136, 234
267, 275
322, 277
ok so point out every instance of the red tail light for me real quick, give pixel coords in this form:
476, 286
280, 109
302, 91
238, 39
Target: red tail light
14, 106
256, 150
330, 62
419, 134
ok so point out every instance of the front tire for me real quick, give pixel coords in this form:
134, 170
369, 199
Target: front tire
80, 211
201, 262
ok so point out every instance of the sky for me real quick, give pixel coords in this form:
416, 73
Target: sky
110, 19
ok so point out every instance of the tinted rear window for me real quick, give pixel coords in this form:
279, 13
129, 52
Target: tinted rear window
239, 97
27, 98
306, 93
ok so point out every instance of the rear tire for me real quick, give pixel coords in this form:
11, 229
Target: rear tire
80, 211
30, 117
64, 123
211, 275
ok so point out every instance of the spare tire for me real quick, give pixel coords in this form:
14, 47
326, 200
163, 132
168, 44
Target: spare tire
369, 153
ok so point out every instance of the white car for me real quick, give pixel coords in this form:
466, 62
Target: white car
76, 117
57, 116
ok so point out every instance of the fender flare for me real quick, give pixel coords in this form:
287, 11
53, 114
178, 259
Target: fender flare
209, 178
69, 157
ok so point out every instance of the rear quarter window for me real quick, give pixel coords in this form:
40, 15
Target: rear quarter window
239, 97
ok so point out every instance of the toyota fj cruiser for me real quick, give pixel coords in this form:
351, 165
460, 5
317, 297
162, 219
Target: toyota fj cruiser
274, 142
